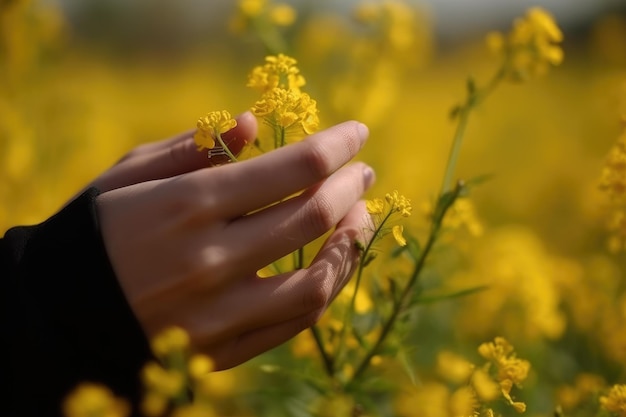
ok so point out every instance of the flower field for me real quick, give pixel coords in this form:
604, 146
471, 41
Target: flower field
501, 174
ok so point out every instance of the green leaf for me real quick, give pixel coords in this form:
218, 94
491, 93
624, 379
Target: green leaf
369, 258
408, 366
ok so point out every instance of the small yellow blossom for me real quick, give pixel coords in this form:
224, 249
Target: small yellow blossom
531, 46
200, 365
397, 230
375, 206
89, 400
170, 340
510, 370
283, 15
167, 382
211, 126
613, 180
399, 203
288, 109
251, 8
453, 367
279, 71
615, 401
486, 388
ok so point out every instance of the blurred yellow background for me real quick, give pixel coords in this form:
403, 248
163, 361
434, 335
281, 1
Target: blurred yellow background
79, 87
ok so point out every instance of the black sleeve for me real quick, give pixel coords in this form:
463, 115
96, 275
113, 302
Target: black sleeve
64, 317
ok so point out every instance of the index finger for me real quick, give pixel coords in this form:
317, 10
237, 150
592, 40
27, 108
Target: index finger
236, 189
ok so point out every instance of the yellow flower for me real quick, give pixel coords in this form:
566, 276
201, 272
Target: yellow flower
200, 365
397, 234
288, 109
89, 400
211, 126
510, 370
615, 401
251, 8
283, 15
163, 381
613, 180
453, 368
399, 203
375, 206
279, 71
531, 46
171, 340
486, 388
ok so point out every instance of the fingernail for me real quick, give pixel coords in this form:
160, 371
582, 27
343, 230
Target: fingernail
364, 132
369, 177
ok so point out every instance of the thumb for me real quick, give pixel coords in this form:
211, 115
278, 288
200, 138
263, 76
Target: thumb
172, 157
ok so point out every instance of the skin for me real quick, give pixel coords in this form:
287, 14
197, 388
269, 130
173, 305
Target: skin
186, 240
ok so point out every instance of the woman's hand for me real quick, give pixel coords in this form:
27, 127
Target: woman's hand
186, 247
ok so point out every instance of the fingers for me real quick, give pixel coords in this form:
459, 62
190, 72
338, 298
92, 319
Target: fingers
172, 157
283, 228
237, 189
281, 307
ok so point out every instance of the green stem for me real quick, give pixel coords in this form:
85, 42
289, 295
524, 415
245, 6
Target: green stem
329, 366
455, 148
403, 302
223, 145
473, 99
282, 136
347, 322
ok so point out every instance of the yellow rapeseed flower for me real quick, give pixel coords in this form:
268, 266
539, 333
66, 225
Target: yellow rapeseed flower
288, 109
396, 231
375, 206
211, 126
168, 383
94, 400
282, 15
510, 370
613, 180
251, 8
172, 339
531, 46
399, 203
279, 71
200, 365
615, 401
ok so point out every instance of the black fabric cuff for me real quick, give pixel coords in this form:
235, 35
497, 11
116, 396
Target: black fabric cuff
67, 318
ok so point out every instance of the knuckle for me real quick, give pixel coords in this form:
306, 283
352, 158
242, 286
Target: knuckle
319, 217
317, 299
317, 159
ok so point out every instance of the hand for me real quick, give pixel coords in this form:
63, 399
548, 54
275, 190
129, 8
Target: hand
186, 248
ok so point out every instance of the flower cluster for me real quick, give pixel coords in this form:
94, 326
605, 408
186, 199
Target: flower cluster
282, 105
531, 47
176, 374
613, 183
615, 401
261, 15
613, 180
382, 212
509, 370
210, 128
94, 400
